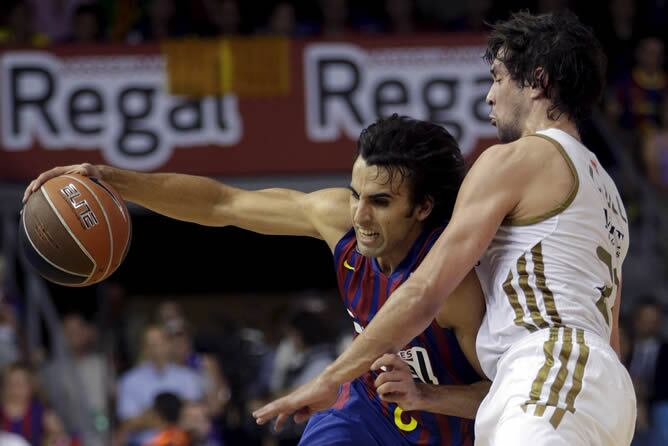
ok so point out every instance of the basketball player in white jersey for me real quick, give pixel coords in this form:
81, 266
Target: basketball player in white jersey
544, 226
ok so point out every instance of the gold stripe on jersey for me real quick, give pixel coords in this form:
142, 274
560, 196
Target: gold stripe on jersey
511, 294
539, 271
562, 374
579, 371
529, 294
541, 377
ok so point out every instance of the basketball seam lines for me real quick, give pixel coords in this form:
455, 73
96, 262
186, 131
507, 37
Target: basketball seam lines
25, 230
106, 217
67, 228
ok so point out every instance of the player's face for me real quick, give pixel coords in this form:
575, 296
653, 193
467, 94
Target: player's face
385, 220
508, 104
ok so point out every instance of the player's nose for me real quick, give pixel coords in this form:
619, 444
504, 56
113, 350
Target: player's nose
362, 213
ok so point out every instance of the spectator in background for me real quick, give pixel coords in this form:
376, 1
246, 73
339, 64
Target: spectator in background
168, 311
647, 318
311, 347
225, 16
304, 353
196, 422
79, 385
335, 18
17, 27
475, 17
9, 349
640, 94
55, 17
655, 154
216, 391
617, 33
167, 408
400, 16
88, 25
8, 439
282, 20
22, 412
158, 21
155, 374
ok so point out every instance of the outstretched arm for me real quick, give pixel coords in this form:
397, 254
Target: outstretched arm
322, 214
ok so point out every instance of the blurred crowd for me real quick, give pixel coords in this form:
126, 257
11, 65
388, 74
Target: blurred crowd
161, 381
154, 379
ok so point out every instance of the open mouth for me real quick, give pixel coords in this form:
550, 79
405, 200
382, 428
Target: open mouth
366, 236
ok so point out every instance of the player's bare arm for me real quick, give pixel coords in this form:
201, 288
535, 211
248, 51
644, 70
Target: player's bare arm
322, 214
396, 385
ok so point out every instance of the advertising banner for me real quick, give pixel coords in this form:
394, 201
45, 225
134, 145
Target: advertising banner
114, 104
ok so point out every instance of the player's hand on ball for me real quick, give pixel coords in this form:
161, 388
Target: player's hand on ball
84, 169
316, 395
395, 383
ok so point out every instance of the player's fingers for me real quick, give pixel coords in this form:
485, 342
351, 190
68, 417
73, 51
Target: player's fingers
271, 410
28, 191
394, 375
280, 422
392, 387
396, 397
388, 360
302, 415
84, 169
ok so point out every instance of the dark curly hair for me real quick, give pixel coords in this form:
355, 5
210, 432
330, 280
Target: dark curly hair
571, 61
423, 153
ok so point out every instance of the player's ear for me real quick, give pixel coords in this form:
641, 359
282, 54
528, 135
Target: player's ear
539, 84
423, 210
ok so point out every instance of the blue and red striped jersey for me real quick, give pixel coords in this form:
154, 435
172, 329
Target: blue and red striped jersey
434, 356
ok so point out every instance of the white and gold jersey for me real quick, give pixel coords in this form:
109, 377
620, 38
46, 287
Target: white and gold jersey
557, 270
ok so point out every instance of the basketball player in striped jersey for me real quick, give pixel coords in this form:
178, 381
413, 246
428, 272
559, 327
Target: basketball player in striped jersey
404, 184
545, 224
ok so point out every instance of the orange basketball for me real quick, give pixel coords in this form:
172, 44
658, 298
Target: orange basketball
75, 230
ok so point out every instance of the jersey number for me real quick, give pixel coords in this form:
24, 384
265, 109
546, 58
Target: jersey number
608, 289
408, 427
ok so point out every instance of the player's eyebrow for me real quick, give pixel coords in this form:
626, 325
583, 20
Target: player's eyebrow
380, 195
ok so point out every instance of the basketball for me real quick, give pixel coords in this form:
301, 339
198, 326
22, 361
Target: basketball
75, 230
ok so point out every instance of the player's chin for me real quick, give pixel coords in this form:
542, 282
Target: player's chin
368, 250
